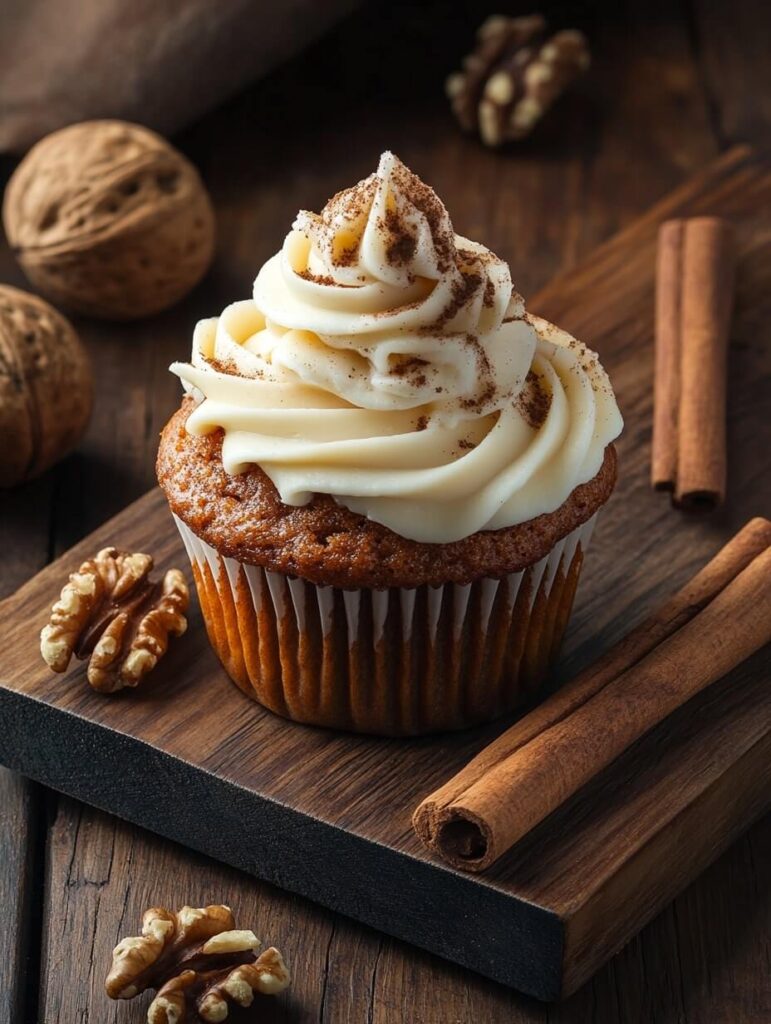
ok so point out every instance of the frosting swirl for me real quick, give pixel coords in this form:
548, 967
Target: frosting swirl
386, 361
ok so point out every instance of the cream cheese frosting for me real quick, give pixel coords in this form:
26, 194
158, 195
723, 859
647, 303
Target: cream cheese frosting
386, 361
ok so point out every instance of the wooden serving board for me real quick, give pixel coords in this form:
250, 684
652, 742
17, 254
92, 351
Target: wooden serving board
328, 814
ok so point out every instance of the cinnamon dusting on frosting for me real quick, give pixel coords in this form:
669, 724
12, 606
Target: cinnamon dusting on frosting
462, 291
533, 401
402, 243
227, 366
374, 322
325, 279
487, 383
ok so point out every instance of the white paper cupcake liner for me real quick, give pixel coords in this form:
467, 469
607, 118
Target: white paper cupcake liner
399, 661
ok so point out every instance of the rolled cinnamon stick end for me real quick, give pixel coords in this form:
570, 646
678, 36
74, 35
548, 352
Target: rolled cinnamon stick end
465, 820
707, 300
694, 296
667, 354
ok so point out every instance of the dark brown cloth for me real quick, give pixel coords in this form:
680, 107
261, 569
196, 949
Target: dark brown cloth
160, 62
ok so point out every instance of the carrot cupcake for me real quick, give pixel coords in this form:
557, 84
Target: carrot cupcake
386, 472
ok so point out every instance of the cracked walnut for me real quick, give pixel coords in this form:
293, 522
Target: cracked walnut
197, 962
112, 613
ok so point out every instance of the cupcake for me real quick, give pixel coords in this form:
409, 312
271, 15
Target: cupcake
386, 472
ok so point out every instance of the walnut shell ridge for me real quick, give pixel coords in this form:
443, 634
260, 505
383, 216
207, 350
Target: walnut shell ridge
108, 219
46, 386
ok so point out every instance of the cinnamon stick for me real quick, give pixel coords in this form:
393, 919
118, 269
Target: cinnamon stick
666, 374
694, 296
477, 815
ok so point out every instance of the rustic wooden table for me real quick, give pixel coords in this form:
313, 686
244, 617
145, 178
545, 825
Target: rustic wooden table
673, 85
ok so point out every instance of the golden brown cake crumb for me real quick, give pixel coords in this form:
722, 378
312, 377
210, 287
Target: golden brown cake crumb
327, 544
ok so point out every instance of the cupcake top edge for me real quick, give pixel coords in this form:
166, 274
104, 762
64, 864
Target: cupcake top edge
387, 362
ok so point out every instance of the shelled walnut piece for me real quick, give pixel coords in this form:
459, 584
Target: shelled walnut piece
111, 612
514, 74
198, 963
46, 386
110, 220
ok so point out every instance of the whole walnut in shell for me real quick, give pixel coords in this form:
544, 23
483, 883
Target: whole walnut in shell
108, 219
46, 386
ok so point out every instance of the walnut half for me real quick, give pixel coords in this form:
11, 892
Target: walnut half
199, 964
515, 73
111, 612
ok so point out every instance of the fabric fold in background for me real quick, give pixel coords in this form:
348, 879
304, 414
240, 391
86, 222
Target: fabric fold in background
163, 63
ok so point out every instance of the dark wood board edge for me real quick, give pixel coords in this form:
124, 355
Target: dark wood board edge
500, 936
728, 808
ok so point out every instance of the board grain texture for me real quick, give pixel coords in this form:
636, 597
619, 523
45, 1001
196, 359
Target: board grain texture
190, 758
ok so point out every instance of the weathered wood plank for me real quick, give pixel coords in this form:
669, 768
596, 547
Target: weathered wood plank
107, 873
20, 895
680, 968
731, 49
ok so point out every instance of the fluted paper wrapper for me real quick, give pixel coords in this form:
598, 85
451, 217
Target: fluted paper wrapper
395, 662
